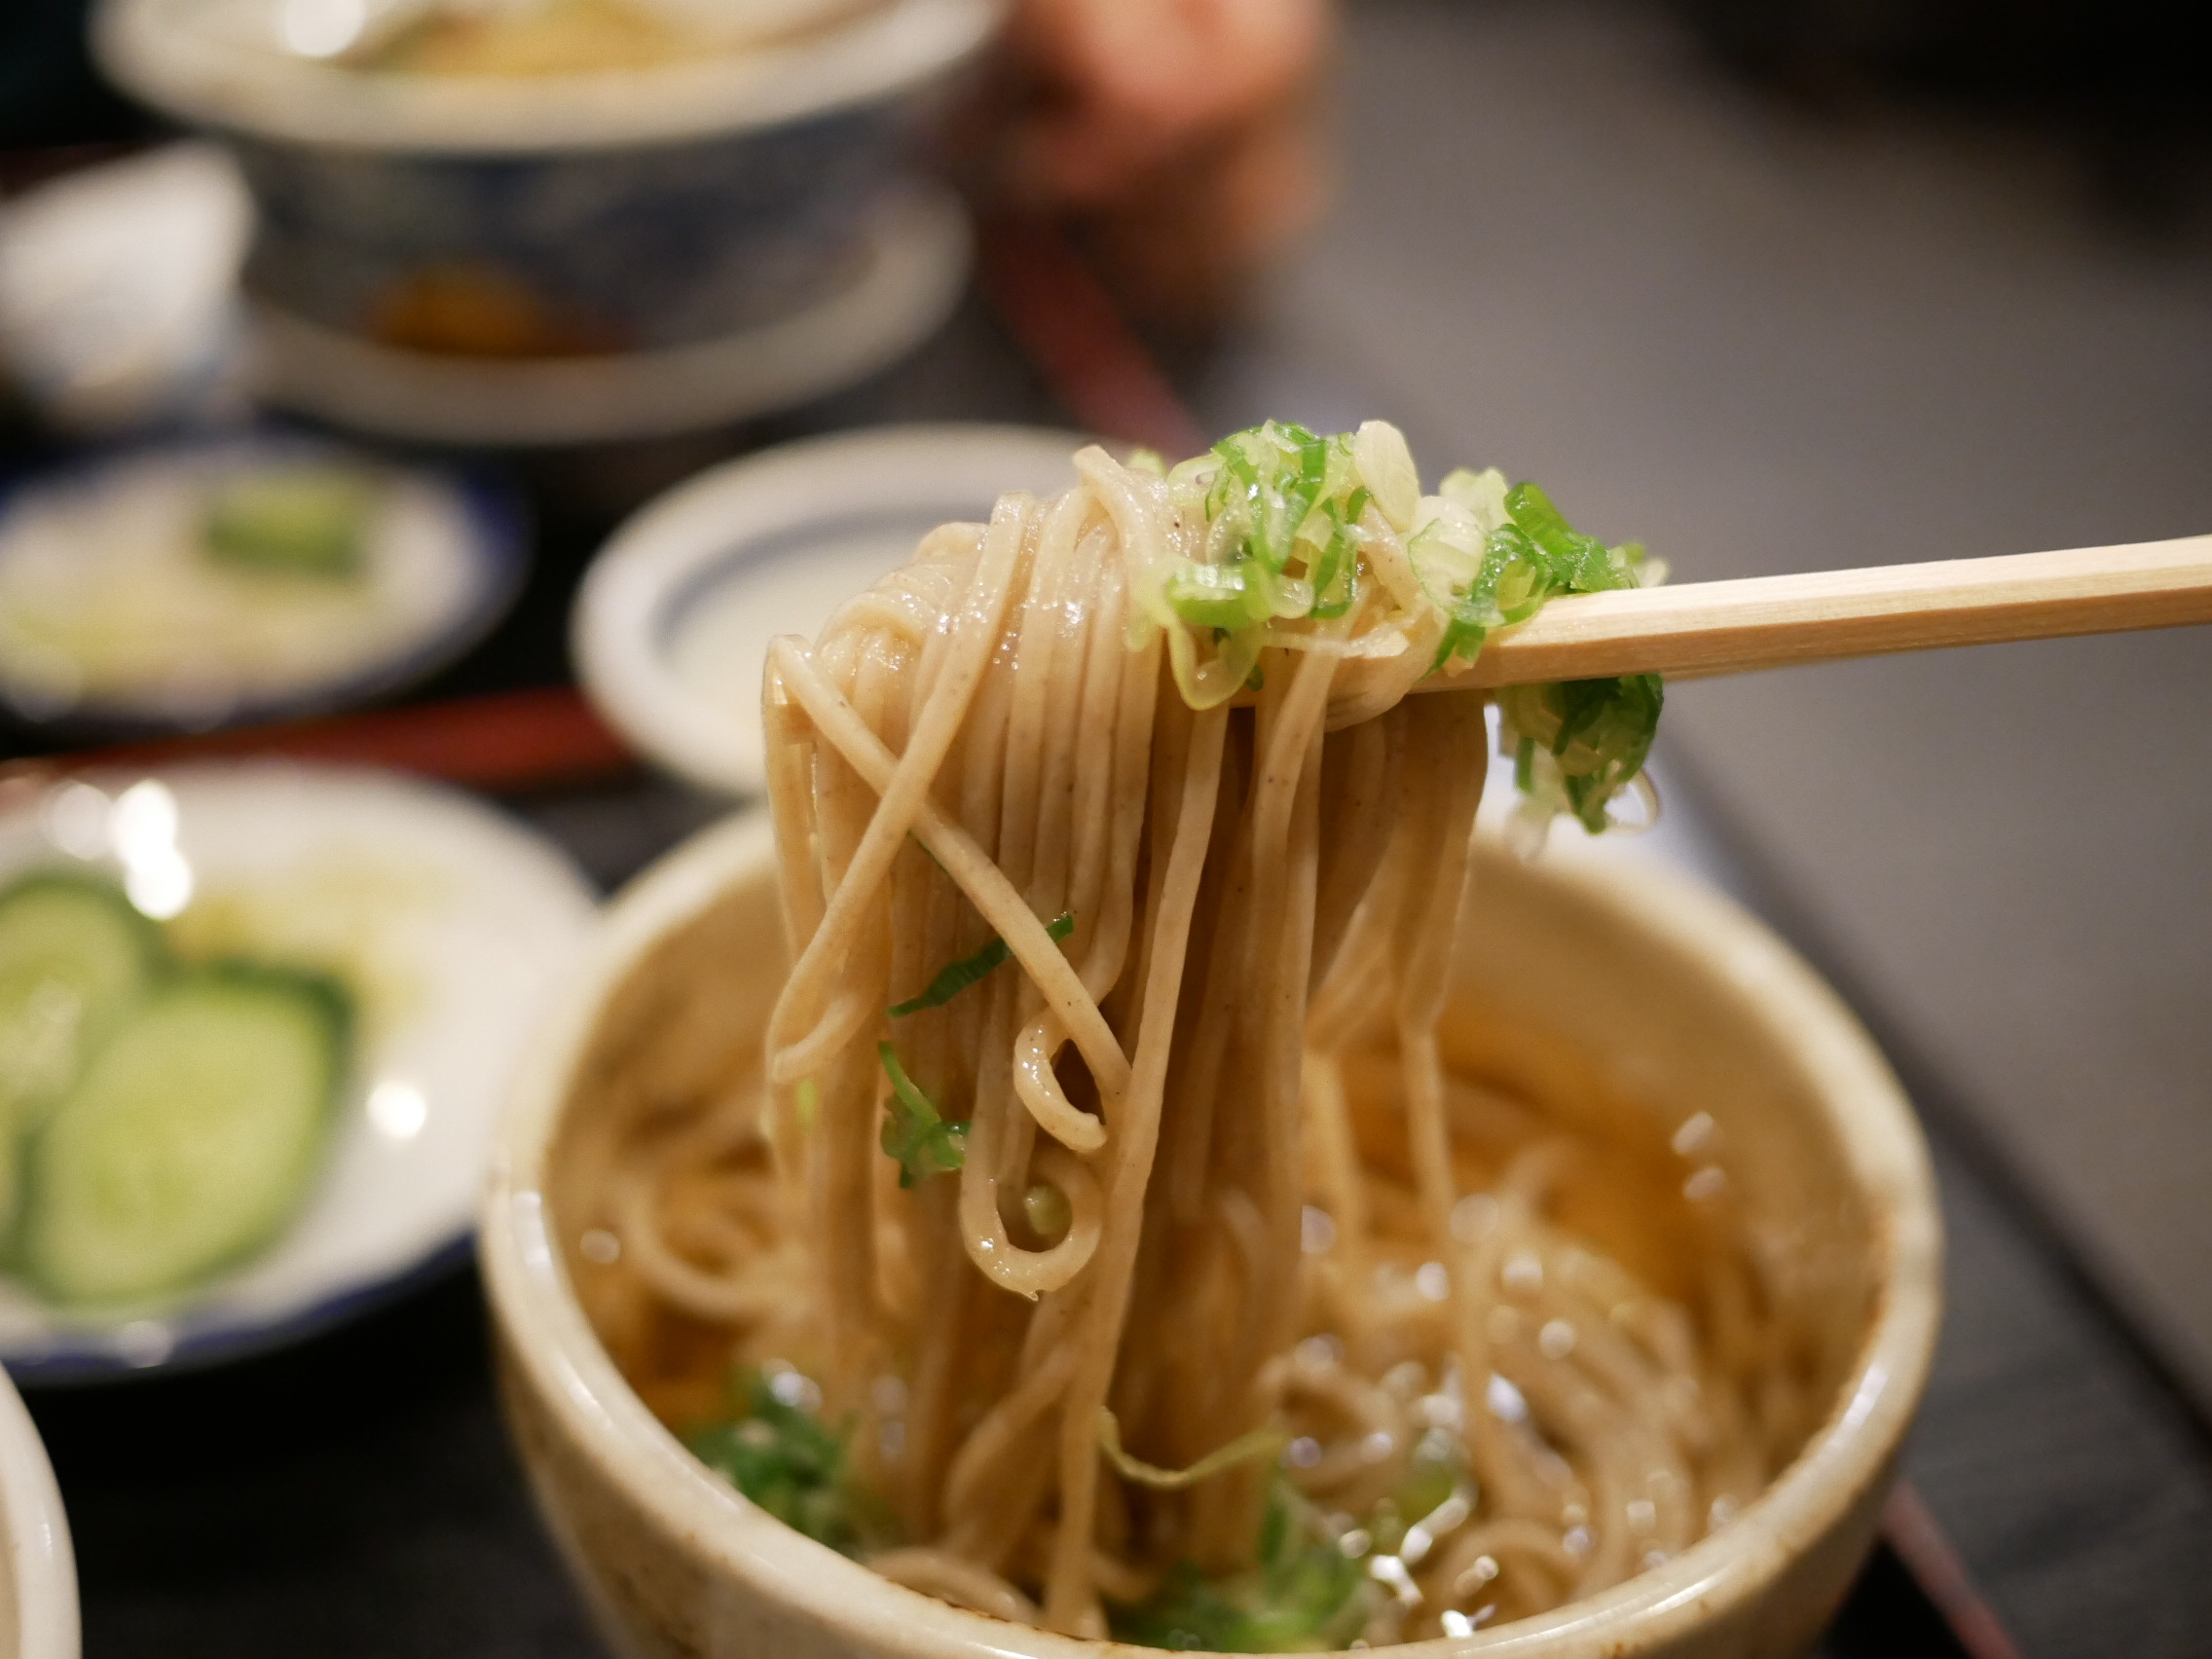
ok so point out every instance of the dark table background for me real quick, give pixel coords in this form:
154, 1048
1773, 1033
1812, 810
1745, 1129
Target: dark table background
354, 1496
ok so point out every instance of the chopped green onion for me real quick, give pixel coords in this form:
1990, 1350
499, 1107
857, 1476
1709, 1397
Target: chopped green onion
776, 1451
1227, 597
914, 1135
1280, 509
1461, 637
1581, 742
1047, 1211
1304, 1595
956, 977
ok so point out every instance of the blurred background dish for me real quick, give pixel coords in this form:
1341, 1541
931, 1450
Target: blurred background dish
439, 919
691, 197
38, 1570
116, 302
194, 585
672, 623
909, 266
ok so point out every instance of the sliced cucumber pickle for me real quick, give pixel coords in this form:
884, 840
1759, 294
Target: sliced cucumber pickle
74, 955
190, 1137
73, 952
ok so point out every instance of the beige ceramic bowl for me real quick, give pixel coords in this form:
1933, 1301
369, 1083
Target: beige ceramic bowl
38, 1573
1687, 1001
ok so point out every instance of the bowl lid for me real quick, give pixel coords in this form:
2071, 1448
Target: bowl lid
228, 64
672, 627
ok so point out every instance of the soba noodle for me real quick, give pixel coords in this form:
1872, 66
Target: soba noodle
1180, 1278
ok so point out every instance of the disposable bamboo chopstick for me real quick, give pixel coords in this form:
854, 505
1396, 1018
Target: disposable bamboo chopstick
1732, 627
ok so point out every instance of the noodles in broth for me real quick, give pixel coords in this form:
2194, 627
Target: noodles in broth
1115, 1242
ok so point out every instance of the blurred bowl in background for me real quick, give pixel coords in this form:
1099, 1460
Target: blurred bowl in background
912, 265
672, 625
38, 1569
573, 216
442, 918
196, 584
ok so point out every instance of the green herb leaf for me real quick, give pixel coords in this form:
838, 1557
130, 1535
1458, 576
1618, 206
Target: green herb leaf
309, 520
1303, 1596
783, 1458
956, 977
1227, 597
913, 1135
1282, 506
1582, 741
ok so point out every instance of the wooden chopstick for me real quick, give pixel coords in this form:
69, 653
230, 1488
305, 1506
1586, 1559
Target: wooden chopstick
1732, 627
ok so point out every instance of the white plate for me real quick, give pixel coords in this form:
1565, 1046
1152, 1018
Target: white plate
464, 915
672, 626
110, 614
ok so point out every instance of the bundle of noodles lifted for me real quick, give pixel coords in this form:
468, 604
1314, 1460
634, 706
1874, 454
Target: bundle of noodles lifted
1113, 1246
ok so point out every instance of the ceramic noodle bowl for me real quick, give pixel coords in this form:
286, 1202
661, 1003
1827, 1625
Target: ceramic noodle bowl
38, 1570
1683, 1001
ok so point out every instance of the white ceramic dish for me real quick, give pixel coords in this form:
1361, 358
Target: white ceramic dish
672, 623
112, 616
38, 1570
449, 917
116, 287
1663, 982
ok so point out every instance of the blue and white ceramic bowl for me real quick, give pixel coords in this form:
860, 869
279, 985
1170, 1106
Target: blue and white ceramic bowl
569, 215
672, 625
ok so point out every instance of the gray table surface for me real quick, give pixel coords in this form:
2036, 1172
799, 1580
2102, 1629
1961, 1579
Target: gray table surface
1762, 341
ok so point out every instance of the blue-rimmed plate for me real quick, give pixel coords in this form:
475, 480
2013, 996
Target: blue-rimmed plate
114, 615
672, 626
445, 917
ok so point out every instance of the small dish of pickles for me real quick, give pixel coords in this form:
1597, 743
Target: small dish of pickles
189, 585
255, 1022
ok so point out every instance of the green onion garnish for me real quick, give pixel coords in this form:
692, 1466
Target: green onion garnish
956, 977
921, 1141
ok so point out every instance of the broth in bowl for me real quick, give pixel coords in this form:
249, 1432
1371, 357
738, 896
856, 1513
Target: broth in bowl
1661, 1031
1644, 1373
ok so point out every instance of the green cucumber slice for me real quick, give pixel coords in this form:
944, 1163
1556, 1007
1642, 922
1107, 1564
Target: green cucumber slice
190, 1139
73, 956
73, 952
